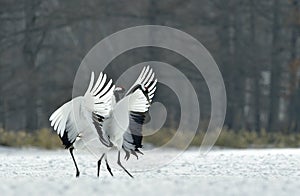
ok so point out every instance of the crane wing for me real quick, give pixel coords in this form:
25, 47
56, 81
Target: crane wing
140, 98
62, 123
95, 107
98, 97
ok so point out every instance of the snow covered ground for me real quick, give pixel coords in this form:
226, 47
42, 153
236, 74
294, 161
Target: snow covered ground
221, 172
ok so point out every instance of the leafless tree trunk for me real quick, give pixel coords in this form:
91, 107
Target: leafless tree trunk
254, 63
294, 65
30, 55
240, 67
276, 70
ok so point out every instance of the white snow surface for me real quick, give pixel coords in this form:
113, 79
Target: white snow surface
220, 172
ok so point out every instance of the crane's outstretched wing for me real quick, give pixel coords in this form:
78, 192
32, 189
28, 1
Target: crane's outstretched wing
98, 97
140, 97
62, 123
95, 105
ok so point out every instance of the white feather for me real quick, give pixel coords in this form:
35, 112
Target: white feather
78, 112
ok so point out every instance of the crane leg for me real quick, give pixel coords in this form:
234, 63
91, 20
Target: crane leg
108, 167
77, 170
119, 163
99, 163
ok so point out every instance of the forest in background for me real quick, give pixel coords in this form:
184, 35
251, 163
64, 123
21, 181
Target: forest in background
255, 44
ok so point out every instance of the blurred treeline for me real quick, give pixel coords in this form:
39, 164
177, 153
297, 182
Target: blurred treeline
255, 43
44, 138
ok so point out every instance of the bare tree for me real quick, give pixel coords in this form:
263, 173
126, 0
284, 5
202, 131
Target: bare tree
276, 68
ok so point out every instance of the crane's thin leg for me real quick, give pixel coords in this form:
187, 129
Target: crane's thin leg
108, 168
119, 163
77, 170
99, 163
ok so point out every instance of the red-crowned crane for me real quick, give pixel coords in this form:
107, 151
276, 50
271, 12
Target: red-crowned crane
101, 119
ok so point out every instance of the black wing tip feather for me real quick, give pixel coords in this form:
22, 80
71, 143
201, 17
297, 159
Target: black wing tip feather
139, 86
104, 86
65, 140
97, 120
133, 152
135, 134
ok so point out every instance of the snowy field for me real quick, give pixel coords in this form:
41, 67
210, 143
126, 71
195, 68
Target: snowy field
221, 172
